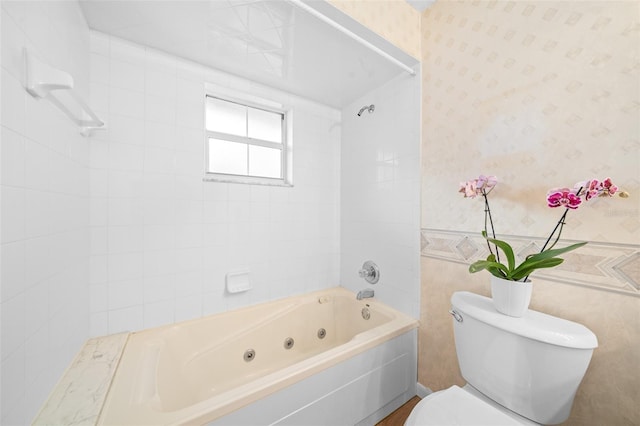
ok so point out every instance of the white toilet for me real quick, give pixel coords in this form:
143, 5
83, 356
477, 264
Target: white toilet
519, 371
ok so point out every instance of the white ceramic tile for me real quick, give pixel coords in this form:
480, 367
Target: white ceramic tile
190, 114
98, 298
158, 313
159, 110
124, 184
159, 262
13, 272
99, 69
99, 43
188, 90
159, 160
188, 308
98, 269
39, 264
13, 329
188, 187
127, 130
13, 380
13, 158
99, 240
13, 203
125, 157
189, 163
126, 75
158, 212
12, 42
37, 165
160, 135
98, 324
99, 102
125, 211
159, 186
13, 103
124, 239
160, 84
128, 103
159, 237
35, 362
123, 294
98, 209
189, 235
159, 288
126, 319
122, 50
189, 139
99, 183
125, 266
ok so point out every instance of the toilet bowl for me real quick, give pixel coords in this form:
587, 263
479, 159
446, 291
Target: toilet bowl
462, 406
519, 371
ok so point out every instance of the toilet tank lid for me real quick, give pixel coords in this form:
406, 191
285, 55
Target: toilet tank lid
533, 325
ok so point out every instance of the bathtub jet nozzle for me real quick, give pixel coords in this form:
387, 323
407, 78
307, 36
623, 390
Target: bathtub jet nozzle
249, 355
288, 343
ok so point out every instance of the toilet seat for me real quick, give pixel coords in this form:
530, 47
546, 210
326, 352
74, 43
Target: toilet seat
455, 406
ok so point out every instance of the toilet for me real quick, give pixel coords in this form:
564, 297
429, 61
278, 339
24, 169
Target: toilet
519, 371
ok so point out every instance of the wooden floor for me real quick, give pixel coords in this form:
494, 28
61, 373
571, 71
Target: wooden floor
398, 417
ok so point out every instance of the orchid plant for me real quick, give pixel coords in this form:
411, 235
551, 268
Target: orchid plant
569, 199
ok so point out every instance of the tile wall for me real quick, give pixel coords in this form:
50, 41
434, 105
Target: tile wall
162, 240
380, 192
45, 209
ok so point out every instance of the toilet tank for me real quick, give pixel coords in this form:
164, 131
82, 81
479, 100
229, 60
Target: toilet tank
531, 365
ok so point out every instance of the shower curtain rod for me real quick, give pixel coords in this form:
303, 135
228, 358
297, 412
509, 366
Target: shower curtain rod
352, 35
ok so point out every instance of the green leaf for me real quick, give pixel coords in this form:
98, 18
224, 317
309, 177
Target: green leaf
555, 252
507, 250
529, 266
481, 265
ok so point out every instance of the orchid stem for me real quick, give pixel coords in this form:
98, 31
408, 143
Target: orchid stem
558, 228
487, 213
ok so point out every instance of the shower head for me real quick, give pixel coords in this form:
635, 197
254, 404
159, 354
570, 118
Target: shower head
369, 108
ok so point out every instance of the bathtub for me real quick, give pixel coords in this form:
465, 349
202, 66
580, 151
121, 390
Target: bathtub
312, 359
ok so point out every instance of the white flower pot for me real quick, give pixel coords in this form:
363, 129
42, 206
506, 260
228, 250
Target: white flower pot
510, 297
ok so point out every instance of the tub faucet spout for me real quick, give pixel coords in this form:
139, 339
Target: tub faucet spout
365, 294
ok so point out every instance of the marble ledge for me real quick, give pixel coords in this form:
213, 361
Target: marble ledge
79, 396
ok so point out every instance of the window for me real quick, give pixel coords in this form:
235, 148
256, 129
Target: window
245, 143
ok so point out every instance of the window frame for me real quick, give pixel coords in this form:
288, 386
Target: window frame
284, 147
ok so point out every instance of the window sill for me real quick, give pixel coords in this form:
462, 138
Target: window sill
246, 180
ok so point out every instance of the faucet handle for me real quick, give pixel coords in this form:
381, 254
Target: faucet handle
370, 272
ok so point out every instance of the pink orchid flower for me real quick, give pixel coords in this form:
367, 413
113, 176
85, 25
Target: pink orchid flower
469, 188
608, 188
592, 189
563, 197
474, 187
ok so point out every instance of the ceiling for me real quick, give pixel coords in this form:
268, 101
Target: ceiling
275, 43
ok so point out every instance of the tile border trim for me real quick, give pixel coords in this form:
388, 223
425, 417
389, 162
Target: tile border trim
598, 265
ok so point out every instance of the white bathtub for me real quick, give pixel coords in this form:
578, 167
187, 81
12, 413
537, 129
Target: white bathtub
195, 372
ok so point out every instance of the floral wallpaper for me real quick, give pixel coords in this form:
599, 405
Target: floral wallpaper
542, 94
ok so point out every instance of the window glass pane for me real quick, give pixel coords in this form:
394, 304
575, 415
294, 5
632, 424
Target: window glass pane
226, 117
227, 157
265, 162
265, 125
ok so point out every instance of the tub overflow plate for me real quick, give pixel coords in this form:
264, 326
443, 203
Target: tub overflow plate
366, 314
322, 333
